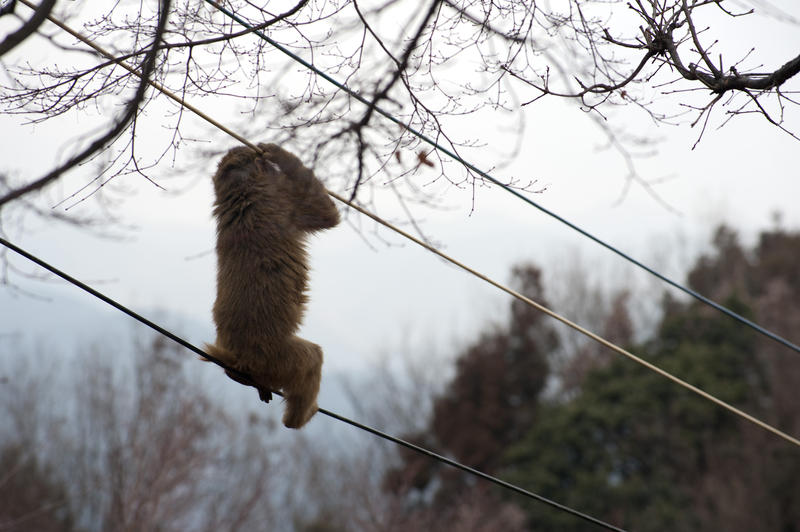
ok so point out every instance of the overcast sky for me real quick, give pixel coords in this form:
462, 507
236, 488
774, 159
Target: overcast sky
374, 294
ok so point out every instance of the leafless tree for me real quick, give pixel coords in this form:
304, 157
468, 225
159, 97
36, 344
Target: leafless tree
422, 66
126, 120
25, 30
129, 444
138, 443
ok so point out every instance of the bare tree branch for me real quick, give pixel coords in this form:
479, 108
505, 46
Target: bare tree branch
425, 66
28, 28
131, 110
383, 93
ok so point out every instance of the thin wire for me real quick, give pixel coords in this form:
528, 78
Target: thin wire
514, 293
526, 199
376, 432
152, 83
339, 417
579, 328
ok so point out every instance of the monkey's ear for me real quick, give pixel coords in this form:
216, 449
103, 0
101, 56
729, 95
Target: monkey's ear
271, 165
264, 167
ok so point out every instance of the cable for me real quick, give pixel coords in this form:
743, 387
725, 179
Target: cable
579, 328
333, 415
434, 144
514, 293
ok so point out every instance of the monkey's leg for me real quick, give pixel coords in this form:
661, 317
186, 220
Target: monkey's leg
302, 387
223, 355
263, 393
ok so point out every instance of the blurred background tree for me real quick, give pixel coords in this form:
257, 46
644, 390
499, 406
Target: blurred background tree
139, 444
618, 441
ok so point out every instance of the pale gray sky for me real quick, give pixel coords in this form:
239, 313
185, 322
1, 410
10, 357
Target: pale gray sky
366, 300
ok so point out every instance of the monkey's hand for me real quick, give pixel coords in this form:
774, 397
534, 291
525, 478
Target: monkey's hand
263, 394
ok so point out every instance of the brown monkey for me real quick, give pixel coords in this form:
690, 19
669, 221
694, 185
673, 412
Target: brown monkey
266, 204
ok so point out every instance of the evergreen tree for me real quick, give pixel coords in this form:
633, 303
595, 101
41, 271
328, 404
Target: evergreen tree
622, 443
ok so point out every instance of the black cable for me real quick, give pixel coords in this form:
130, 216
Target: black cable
698, 296
118, 306
323, 411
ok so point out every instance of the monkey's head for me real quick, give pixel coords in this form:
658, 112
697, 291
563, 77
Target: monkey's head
247, 182
271, 189
242, 168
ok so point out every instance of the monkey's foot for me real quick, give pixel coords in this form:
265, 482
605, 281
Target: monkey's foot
298, 412
263, 393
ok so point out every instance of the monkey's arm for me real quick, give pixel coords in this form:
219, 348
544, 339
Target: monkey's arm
314, 208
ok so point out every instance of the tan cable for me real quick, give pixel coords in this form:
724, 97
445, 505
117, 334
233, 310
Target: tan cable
152, 83
514, 293
579, 328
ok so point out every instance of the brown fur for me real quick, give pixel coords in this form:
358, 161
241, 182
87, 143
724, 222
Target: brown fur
266, 205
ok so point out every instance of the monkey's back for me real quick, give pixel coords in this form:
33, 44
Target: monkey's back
260, 291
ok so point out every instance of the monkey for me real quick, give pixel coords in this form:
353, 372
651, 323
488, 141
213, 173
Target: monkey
266, 204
